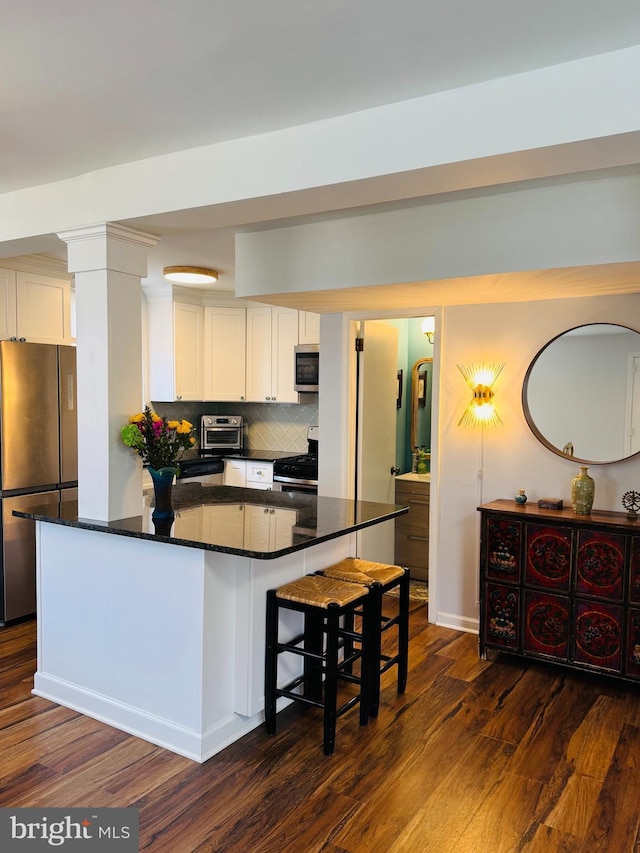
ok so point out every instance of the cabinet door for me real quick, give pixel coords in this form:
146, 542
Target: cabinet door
282, 522
257, 528
600, 564
284, 325
235, 472
8, 326
188, 351
259, 474
548, 556
259, 354
224, 353
546, 624
502, 616
503, 539
598, 635
43, 309
308, 327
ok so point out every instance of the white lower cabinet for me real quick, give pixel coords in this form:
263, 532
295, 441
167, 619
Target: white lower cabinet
252, 475
235, 472
268, 527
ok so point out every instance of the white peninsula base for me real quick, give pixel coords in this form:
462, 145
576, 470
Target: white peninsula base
159, 640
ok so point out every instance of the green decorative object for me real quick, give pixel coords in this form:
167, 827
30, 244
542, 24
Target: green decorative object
582, 492
162, 486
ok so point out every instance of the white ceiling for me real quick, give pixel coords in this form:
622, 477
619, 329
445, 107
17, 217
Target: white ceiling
87, 85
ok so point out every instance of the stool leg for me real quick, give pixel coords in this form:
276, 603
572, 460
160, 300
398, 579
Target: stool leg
271, 663
374, 636
331, 680
403, 632
313, 641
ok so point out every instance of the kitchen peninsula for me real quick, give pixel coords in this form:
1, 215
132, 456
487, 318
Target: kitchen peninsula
160, 632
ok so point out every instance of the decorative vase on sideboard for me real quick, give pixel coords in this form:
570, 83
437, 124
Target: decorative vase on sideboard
582, 492
162, 489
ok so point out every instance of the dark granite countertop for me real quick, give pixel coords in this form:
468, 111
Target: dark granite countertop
232, 520
262, 455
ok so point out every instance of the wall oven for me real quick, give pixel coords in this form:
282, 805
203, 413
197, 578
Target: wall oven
221, 432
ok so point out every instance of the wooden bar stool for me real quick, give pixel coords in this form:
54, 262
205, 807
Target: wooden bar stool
380, 578
324, 602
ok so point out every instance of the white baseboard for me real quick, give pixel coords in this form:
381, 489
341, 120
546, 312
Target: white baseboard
458, 623
157, 730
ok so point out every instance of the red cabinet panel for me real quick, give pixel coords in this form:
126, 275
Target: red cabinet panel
502, 622
598, 635
600, 564
503, 538
546, 624
548, 556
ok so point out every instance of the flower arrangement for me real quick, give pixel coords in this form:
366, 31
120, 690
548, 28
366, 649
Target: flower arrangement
158, 441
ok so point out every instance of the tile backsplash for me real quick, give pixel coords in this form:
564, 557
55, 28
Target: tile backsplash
270, 426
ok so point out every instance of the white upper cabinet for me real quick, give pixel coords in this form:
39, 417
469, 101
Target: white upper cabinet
35, 307
308, 327
272, 334
188, 324
224, 353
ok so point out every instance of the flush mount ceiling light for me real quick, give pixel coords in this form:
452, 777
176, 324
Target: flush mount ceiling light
429, 328
481, 410
191, 275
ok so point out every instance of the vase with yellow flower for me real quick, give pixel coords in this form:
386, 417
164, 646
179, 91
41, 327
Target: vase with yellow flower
160, 443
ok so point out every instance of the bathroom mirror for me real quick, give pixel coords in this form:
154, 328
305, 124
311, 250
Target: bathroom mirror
420, 426
581, 394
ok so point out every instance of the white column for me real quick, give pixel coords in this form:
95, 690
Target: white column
108, 261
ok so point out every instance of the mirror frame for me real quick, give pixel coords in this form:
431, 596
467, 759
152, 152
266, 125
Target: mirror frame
413, 427
529, 418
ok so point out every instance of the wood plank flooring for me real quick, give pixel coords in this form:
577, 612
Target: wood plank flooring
497, 756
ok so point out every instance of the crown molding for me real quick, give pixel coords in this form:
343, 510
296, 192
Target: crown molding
40, 264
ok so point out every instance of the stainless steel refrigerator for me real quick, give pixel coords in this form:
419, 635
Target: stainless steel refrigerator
38, 456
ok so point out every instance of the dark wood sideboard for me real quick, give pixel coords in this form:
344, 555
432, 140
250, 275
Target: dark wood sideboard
561, 587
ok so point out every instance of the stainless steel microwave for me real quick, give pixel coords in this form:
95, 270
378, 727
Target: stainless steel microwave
307, 361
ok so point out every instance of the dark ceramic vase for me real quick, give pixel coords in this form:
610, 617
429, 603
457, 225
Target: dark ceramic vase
162, 488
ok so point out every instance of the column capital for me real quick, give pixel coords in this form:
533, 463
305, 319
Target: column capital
108, 245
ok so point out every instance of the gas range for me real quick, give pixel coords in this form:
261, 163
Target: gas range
299, 473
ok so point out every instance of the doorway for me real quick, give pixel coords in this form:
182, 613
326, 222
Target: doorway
394, 414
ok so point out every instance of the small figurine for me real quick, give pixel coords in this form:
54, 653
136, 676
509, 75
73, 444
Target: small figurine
521, 498
631, 502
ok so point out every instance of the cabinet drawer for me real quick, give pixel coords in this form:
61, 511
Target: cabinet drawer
260, 472
412, 549
418, 515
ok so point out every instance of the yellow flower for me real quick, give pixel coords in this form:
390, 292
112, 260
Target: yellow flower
183, 427
192, 440
135, 419
173, 424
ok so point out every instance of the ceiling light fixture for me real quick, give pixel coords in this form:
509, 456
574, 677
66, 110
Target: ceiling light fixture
191, 275
429, 328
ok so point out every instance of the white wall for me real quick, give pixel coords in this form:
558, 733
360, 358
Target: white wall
509, 456
589, 222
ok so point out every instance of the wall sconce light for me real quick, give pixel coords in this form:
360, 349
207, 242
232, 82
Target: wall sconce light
191, 275
481, 411
428, 328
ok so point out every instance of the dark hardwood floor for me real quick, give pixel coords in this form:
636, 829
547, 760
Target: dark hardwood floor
477, 756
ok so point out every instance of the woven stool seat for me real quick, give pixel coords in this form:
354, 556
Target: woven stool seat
378, 578
318, 591
355, 570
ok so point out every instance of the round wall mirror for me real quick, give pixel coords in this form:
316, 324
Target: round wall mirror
581, 394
